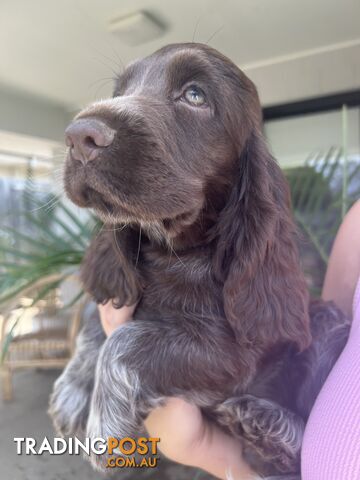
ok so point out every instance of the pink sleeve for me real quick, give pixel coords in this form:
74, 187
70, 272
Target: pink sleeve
331, 447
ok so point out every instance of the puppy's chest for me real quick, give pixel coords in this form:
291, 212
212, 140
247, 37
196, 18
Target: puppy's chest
174, 283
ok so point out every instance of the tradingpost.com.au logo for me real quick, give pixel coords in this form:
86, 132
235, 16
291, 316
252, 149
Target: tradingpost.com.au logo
121, 452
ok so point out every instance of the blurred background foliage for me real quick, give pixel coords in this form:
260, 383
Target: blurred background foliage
322, 191
49, 242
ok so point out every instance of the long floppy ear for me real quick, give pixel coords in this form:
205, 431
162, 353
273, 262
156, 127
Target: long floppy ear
265, 294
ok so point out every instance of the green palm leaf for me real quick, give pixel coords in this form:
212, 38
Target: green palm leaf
48, 247
319, 200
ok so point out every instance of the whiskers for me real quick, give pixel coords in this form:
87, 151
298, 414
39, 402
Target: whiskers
114, 229
47, 206
195, 29
172, 251
101, 83
214, 34
46, 184
138, 250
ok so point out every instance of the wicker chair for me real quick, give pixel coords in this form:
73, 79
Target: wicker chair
47, 341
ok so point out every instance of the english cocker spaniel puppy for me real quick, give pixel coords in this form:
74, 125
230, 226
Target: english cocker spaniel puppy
198, 232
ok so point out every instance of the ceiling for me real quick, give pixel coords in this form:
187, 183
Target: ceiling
62, 51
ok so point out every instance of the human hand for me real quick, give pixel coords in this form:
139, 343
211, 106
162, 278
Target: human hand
111, 317
188, 438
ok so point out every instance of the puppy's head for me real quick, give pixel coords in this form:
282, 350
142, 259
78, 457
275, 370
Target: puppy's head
179, 144
154, 153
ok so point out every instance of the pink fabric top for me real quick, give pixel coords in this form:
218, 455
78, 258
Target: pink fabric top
331, 447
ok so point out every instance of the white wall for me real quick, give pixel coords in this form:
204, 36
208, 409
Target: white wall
308, 74
25, 114
29, 127
293, 139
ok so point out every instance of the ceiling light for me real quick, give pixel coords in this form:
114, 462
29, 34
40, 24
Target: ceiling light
136, 28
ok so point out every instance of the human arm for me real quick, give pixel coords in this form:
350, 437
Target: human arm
344, 263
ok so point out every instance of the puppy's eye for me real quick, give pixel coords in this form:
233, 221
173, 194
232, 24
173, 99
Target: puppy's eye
195, 96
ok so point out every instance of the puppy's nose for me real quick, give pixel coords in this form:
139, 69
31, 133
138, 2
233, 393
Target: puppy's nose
87, 138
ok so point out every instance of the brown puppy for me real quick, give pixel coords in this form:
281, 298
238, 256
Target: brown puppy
199, 232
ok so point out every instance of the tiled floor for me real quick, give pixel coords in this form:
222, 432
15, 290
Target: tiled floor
26, 416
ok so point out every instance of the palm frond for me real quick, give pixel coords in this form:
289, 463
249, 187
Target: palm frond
46, 248
318, 197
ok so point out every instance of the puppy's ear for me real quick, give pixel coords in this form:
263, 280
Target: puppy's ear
265, 294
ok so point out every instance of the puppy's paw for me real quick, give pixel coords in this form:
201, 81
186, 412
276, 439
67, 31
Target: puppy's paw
99, 427
272, 433
249, 416
69, 407
115, 413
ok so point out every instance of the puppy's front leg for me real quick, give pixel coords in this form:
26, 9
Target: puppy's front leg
70, 399
272, 434
144, 361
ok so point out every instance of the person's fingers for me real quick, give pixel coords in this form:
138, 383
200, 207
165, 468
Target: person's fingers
187, 437
111, 317
179, 425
